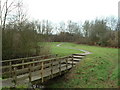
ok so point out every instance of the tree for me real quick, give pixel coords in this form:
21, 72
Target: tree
5, 9
62, 27
86, 28
48, 27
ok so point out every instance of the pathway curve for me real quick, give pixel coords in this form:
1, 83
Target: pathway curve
85, 51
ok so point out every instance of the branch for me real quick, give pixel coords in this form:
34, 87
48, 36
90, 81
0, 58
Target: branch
11, 4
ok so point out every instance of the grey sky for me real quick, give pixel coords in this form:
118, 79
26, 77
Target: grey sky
57, 10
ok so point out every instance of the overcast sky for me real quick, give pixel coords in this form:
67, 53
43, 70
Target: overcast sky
76, 10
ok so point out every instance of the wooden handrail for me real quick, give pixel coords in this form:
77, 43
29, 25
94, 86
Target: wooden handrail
34, 62
12, 60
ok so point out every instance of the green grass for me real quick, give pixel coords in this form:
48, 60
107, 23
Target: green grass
61, 51
97, 70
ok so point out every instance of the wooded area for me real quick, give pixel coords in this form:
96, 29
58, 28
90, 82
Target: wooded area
20, 36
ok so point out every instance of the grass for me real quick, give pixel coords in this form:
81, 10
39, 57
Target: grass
62, 51
97, 70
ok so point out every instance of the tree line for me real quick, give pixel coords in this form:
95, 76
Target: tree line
101, 32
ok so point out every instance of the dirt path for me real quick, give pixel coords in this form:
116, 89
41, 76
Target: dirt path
85, 52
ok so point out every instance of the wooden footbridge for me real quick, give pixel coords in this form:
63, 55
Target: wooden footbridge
26, 70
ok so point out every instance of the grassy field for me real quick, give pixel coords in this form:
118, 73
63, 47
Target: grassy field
62, 51
97, 70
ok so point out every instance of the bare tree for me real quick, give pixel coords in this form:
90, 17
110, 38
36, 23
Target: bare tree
62, 27
49, 27
5, 9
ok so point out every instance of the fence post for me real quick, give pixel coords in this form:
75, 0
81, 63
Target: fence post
30, 77
66, 63
51, 68
22, 63
33, 61
72, 60
10, 69
56, 55
60, 66
42, 68
15, 77
33, 64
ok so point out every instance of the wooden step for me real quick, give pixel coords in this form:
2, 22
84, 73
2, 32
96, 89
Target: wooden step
76, 60
70, 62
80, 54
78, 57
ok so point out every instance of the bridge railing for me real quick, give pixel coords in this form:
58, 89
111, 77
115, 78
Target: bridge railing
39, 67
28, 59
7, 65
42, 68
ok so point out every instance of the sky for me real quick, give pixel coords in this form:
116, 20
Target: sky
76, 10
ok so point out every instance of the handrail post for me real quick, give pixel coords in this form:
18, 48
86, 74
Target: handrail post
15, 77
33, 64
56, 55
22, 63
42, 69
72, 60
33, 61
66, 63
10, 69
30, 74
60, 66
51, 68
